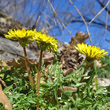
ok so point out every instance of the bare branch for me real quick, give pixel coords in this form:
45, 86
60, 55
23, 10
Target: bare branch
61, 20
94, 22
102, 5
82, 19
99, 12
106, 25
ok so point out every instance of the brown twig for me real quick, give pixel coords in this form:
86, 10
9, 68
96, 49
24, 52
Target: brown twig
65, 88
28, 68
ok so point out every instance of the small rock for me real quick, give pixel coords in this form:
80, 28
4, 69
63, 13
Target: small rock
11, 49
103, 81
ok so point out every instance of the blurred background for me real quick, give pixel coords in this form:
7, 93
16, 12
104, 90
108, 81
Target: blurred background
59, 18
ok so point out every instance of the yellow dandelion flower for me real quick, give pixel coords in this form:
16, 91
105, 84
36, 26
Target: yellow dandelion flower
45, 42
91, 52
21, 35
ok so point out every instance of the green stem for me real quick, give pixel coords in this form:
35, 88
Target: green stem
90, 80
91, 77
28, 69
85, 70
39, 76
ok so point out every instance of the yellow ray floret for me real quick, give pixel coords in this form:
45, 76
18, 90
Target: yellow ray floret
91, 52
21, 35
45, 42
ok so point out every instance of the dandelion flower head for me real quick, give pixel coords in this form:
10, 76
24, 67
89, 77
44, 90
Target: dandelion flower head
21, 35
45, 42
91, 52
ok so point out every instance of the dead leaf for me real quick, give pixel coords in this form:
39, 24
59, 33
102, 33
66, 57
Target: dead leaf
4, 84
21, 63
98, 63
80, 37
4, 100
3, 64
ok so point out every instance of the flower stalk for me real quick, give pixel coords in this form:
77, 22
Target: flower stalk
86, 68
28, 69
39, 76
91, 65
